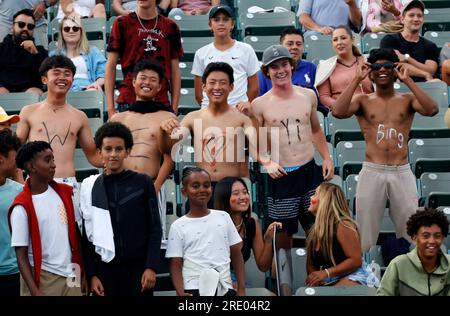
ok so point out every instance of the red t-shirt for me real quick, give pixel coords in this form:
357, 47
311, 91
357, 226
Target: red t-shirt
159, 44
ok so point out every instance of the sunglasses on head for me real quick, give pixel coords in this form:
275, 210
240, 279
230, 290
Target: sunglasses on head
22, 25
386, 65
74, 28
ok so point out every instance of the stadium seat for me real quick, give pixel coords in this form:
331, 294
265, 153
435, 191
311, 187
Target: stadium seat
193, 25
187, 101
83, 168
100, 44
349, 154
13, 102
436, 20
266, 23
358, 290
438, 199
438, 148
432, 4
371, 41
260, 43
192, 44
431, 165
335, 125
187, 79
437, 90
439, 38
434, 182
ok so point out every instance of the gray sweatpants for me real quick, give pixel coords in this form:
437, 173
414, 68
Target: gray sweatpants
376, 185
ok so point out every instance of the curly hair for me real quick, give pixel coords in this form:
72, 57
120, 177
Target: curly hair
114, 129
28, 152
427, 217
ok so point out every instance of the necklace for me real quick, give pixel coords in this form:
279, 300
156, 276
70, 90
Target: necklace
348, 66
52, 107
239, 226
146, 29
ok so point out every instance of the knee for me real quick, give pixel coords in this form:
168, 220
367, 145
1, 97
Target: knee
3, 90
99, 11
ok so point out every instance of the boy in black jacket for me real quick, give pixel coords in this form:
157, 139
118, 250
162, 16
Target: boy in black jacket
122, 234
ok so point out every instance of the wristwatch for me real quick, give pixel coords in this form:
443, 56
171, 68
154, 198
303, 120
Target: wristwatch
406, 57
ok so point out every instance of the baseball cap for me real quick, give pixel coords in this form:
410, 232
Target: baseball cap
273, 53
413, 4
226, 9
4, 117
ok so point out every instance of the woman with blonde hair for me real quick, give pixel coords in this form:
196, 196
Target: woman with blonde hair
333, 243
89, 61
335, 74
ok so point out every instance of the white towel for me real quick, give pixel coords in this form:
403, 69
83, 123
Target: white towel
97, 222
210, 279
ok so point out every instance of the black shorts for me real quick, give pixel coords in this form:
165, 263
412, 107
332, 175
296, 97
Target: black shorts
289, 197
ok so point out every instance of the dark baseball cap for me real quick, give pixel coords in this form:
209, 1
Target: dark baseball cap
220, 8
413, 4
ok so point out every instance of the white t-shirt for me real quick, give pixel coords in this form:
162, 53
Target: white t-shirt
52, 221
80, 64
204, 240
240, 56
82, 7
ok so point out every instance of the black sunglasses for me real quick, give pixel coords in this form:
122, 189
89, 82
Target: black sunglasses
386, 65
22, 25
74, 28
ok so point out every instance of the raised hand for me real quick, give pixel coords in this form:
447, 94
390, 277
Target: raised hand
362, 71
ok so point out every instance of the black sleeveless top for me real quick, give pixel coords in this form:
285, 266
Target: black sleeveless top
247, 240
319, 260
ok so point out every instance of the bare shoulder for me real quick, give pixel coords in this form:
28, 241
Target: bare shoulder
259, 102
238, 117
77, 113
308, 92
165, 115
29, 109
346, 228
117, 117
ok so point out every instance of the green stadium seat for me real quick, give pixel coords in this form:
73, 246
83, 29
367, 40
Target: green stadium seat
349, 157
187, 101
431, 165
439, 38
192, 44
260, 43
83, 168
432, 4
437, 199
318, 158
437, 90
335, 125
371, 41
193, 25
100, 44
266, 23
13, 102
187, 79
435, 148
436, 20
434, 182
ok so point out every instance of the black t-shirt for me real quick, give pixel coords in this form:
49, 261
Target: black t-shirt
421, 51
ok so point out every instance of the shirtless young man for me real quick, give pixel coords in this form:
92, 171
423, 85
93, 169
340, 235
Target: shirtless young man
294, 178
385, 118
59, 123
143, 118
217, 130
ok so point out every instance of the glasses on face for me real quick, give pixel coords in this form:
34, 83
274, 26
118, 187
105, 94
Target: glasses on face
22, 25
386, 65
74, 29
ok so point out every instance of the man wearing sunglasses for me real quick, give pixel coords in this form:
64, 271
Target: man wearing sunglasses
20, 58
385, 117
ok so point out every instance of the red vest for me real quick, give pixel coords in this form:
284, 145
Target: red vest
25, 200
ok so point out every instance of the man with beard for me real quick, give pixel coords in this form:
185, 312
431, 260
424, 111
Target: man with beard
385, 118
20, 58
